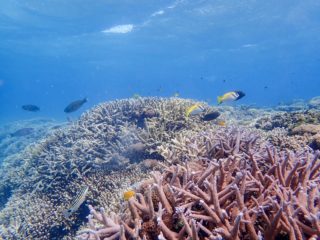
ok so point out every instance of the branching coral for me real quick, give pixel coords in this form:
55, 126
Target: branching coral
242, 190
114, 142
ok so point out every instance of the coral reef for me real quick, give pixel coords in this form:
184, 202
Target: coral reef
314, 102
15, 136
234, 186
299, 105
306, 129
113, 148
112, 142
311, 132
279, 138
287, 120
296, 105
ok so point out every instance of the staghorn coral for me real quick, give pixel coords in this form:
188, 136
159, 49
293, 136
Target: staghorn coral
238, 188
104, 138
114, 143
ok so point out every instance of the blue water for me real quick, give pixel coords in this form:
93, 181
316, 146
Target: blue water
53, 52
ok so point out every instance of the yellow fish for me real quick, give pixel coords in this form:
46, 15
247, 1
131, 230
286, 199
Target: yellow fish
128, 194
221, 123
192, 109
233, 96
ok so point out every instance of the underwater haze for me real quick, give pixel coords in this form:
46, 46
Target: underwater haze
55, 52
167, 119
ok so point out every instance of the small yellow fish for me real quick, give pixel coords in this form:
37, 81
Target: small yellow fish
176, 94
128, 194
233, 96
193, 109
222, 123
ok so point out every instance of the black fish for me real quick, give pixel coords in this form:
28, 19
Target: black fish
74, 106
31, 108
22, 132
210, 116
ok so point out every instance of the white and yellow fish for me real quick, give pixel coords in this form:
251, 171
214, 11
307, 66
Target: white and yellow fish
194, 109
231, 96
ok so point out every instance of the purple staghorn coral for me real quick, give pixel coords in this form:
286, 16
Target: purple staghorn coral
237, 188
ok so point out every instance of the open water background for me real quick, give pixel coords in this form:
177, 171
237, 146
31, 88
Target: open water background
54, 52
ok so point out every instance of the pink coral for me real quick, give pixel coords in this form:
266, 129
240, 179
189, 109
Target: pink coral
245, 190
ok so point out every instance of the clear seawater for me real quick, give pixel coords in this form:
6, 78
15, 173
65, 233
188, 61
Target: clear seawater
56, 51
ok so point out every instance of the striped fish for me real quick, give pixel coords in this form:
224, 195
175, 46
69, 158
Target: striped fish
80, 198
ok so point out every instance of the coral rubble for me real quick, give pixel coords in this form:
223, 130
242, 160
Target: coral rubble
234, 187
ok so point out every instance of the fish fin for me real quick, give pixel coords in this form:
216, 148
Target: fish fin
219, 98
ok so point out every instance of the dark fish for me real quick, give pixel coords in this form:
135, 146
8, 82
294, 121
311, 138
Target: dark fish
74, 106
31, 108
210, 116
22, 132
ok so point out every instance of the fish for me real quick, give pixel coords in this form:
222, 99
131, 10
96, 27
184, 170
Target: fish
194, 109
74, 106
80, 198
221, 123
210, 116
22, 132
230, 96
128, 194
30, 108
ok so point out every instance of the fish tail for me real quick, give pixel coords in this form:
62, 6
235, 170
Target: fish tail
219, 98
